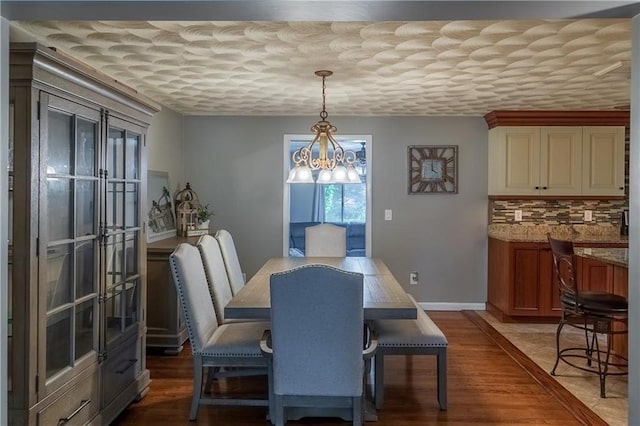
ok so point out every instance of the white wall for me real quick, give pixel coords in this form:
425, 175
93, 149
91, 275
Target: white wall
165, 150
235, 163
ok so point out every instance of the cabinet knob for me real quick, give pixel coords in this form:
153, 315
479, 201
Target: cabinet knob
544, 187
622, 188
537, 187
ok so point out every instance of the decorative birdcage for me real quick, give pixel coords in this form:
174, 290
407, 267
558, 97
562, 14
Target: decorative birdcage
187, 206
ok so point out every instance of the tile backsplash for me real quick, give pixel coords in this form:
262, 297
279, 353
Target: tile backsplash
557, 212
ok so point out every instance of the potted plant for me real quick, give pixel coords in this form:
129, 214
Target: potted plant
204, 215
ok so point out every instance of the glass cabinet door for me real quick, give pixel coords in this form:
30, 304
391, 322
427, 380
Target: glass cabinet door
69, 238
122, 229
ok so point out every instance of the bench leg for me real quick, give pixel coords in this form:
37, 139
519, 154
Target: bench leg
378, 396
442, 378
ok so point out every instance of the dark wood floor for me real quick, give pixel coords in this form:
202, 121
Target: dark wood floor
489, 383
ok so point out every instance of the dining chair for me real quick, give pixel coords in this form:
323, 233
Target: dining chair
212, 345
231, 261
325, 240
593, 312
216, 274
315, 343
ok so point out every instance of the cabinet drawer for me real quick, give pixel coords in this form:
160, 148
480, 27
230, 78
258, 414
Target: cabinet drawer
121, 368
77, 406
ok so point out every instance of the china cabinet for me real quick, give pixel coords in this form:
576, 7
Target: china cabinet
78, 255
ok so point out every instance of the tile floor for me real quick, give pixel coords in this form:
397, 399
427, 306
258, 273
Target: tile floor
537, 341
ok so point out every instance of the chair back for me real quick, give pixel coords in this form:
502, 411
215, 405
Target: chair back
193, 291
216, 274
231, 262
325, 240
564, 265
317, 323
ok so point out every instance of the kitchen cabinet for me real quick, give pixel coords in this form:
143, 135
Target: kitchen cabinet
166, 328
556, 160
78, 259
521, 282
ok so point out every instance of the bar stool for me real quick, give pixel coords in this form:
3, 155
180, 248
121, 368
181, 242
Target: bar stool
594, 312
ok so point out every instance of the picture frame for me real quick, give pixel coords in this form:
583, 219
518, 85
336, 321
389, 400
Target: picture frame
160, 212
432, 169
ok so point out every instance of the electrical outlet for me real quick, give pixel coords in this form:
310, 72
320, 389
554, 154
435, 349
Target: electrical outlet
413, 278
388, 214
517, 216
588, 215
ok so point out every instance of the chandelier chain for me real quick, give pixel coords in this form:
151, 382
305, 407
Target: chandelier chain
323, 113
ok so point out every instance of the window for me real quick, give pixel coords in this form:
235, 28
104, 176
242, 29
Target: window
346, 203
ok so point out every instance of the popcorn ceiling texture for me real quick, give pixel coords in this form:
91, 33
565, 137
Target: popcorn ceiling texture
383, 68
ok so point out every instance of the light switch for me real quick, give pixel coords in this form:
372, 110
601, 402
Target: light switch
388, 214
517, 216
588, 215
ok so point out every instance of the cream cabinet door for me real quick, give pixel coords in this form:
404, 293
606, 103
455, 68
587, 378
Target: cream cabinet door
603, 160
514, 160
560, 160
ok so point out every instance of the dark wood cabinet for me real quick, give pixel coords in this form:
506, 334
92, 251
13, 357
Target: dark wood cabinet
166, 328
521, 282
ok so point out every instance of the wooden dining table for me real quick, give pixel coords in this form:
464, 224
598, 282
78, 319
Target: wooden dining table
383, 296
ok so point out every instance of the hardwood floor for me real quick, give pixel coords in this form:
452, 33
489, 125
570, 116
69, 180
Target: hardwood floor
486, 386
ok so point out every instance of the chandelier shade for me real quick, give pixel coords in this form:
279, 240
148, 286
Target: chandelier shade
323, 154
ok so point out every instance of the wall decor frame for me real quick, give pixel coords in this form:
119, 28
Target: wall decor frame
160, 212
432, 169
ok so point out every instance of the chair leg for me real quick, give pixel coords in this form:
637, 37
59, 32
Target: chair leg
356, 408
197, 387
211, 374
272, 408
442, 378
559, 329
278, 410
378, 396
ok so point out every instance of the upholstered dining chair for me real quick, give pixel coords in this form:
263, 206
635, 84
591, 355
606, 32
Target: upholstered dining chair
216, 274
212, 345
593, 312
231, 261
316, 340
325, 240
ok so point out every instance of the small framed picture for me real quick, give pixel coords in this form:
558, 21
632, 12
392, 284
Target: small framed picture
433, 169
160, 214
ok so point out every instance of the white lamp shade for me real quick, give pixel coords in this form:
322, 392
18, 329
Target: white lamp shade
324, 176
353, 175
302, 174
339, 174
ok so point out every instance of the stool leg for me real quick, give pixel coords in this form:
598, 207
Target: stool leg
560, 325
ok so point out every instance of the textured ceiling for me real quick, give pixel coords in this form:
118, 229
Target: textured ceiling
384, 68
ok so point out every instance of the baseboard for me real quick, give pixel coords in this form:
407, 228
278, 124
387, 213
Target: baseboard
452, 306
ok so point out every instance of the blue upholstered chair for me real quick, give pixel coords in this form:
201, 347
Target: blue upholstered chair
231, 261
316, 340
213, 346
325, 240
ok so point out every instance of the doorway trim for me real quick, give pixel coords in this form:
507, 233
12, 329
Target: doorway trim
286, 159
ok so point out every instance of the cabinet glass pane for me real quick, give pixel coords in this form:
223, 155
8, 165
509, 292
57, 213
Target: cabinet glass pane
60, 143
115, 153
131, 207
86, 147
133, 156
115, 205
59, 275
85, 269
131, 299
131, 244
60, 206
84, 328
58, 341
115, 312
85, 207
115, 251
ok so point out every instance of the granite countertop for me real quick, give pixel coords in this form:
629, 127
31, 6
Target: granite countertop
597, 234
615, 256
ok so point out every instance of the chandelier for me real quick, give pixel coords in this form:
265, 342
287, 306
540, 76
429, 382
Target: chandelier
323, 153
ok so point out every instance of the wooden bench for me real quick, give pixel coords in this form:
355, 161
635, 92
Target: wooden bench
410, 337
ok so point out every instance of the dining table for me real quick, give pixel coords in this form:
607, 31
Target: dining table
383, 298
